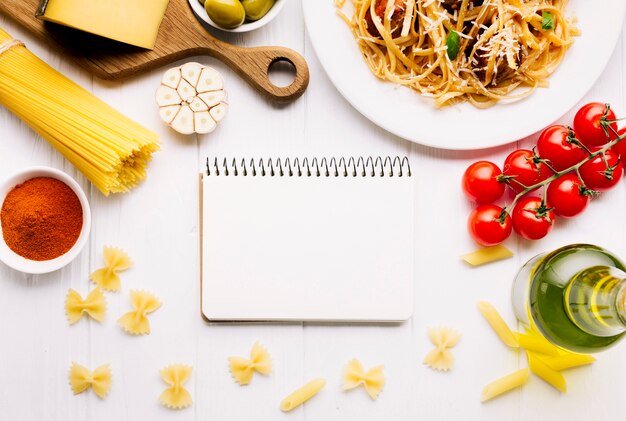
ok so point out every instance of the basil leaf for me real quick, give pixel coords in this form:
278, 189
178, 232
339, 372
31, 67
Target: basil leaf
453, 42
547, 20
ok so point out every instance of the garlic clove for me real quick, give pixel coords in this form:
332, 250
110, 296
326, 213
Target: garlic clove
219, 112
210, 80
185, 90
198, 105
167, 96
171, 78
183, 122
211, 99
191, 72
168, 113
203, 122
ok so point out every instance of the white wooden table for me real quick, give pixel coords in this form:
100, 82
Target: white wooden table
158, 225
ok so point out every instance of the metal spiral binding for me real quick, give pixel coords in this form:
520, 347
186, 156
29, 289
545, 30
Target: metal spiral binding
312, 167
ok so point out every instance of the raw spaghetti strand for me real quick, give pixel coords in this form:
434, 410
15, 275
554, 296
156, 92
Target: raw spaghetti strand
110, 149
502, 45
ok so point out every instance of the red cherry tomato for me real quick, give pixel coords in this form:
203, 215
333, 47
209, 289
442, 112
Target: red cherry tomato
557, 144
485, 228
587, 124
602, 172
620, 147
480, 182
532, 219
568, 196
522, 167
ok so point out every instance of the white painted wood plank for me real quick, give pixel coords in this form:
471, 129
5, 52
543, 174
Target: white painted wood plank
254, 128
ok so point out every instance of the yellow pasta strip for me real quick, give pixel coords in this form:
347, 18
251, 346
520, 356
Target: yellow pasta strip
487, 255
569, 360
505, 384
302, 395
110, 149
498, 324
541, 369
535, 343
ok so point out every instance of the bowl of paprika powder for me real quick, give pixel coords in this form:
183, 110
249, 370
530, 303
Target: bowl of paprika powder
44, 220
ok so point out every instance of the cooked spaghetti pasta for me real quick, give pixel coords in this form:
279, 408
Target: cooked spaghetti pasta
111, 150
479, 51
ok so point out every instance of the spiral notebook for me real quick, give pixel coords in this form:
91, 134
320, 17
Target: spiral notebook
307, 240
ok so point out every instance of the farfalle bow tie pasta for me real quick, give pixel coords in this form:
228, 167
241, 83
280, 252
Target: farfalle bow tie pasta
82, 379
175, 396
94, 305
441, 357
354, 375
243, 369
135, 322
115, 260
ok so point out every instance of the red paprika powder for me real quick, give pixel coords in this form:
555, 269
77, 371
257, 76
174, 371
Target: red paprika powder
41, 218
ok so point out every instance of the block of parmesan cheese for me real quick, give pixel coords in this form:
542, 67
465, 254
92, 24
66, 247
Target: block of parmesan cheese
134, 22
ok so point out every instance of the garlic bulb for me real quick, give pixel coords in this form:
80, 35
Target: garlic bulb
192, 98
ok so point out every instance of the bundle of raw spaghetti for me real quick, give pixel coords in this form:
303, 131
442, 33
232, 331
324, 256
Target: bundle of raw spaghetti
111, 150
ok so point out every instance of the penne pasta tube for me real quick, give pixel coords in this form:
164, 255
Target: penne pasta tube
570, 360
487, 255
505, 384
302, 395
535, 343
551, 376
498, 324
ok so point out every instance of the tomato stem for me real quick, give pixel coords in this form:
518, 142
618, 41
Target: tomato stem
557, 174
572, 139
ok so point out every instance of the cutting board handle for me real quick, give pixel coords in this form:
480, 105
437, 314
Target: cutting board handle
253, 64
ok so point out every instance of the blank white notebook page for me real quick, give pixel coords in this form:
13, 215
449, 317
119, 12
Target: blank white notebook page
317, 248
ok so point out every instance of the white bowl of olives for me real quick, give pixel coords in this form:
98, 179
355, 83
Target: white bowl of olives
237, 15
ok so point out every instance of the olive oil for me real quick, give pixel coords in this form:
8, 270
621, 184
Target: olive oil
574, 297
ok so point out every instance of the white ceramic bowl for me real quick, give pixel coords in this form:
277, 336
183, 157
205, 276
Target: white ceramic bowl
17, 262
198, 9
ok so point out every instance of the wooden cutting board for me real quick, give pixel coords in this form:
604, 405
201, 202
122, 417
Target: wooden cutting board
180, 36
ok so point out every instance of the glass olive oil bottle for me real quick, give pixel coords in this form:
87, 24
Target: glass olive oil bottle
574, 296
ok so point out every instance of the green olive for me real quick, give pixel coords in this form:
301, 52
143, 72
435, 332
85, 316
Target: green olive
256, 9
225, 13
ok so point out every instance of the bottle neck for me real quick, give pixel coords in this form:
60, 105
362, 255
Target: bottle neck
595, 300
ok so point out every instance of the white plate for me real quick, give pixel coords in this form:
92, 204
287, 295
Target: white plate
411, 116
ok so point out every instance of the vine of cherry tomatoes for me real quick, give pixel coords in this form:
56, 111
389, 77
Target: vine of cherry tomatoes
556, 179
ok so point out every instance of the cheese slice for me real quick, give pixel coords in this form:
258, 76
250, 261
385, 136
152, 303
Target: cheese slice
134, 22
